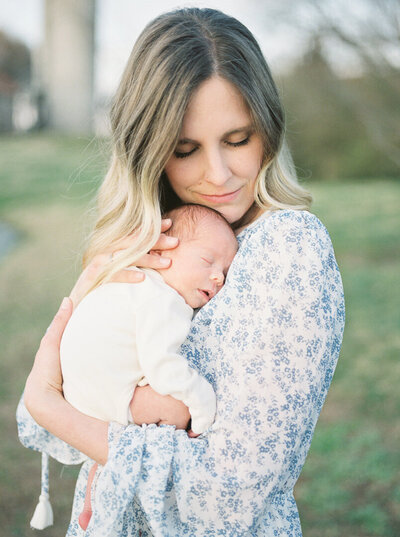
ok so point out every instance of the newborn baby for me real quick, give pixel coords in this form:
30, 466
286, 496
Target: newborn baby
124, 335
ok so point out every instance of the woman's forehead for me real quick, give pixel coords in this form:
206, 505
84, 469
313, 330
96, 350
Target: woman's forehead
215, 105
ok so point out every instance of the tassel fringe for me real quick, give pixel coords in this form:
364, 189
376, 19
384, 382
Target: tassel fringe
43, 515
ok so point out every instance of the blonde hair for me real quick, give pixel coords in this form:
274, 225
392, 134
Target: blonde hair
175, 53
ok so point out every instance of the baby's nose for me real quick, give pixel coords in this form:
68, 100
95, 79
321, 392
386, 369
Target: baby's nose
217, 277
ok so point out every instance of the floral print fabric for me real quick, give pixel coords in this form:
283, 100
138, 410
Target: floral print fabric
268, 343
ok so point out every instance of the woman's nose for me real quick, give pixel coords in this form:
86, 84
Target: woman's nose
217, 169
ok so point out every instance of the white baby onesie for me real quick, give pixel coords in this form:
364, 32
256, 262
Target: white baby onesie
121, 335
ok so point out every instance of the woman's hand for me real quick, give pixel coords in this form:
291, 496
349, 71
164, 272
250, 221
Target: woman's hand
150, 260
45, 380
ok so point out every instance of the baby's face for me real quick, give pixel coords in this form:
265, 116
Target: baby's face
199, 264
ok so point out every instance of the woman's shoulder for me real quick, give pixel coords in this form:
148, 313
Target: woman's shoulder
282, 240
289, 225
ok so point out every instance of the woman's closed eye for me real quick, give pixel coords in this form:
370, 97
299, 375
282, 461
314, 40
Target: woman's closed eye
185, 154
245, 141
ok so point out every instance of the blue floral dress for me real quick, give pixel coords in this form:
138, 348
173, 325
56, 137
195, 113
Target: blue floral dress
268, 343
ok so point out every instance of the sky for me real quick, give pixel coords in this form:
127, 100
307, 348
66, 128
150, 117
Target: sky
119, 22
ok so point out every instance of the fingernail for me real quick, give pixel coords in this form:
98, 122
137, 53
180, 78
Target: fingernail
164, 261
64, 303
173, 240
168, 220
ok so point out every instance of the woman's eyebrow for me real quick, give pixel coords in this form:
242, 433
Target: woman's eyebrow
228, 133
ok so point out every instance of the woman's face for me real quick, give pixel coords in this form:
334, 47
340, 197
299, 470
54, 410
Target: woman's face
219, 155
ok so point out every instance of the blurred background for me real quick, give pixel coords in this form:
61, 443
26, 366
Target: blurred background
337, 65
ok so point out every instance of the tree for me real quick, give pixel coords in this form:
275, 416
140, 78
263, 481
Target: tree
15, 60
359, 41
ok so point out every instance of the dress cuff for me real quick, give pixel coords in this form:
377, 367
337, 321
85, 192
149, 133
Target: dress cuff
33, 436
134, 468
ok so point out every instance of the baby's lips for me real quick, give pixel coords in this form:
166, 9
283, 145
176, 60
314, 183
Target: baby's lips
209, 292
205, 294
213, 291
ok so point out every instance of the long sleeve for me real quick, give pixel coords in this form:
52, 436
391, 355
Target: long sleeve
269, 343
33, 436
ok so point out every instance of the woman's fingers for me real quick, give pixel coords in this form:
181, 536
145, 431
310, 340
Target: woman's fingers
84, 282
46, 374
165, 242
154, 261
166, 223
127, 276
129, 241
130, 275
150, 260
52, 337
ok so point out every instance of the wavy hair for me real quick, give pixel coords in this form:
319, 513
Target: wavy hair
174, 54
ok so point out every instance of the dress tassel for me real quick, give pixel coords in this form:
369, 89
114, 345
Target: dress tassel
43, 515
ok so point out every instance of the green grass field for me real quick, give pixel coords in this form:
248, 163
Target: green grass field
350, 484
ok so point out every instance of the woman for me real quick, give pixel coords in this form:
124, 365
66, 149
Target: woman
197, 118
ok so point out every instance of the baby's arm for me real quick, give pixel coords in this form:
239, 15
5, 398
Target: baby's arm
161, 328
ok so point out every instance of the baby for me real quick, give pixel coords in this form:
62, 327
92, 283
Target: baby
125, 335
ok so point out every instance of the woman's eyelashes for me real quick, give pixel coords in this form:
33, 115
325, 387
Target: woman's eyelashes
185, 154
181, 154
242, 142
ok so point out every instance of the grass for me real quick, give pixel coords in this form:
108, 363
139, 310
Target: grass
350, 484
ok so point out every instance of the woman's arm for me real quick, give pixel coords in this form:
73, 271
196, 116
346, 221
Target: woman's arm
44, 399
43, 393
45, 402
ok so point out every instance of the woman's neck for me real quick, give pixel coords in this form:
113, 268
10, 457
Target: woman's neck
248, 218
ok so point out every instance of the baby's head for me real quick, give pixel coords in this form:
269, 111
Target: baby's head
207, 246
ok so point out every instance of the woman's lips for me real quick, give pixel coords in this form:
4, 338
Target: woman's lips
220, 198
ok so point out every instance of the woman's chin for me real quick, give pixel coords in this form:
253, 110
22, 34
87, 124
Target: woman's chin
231, 214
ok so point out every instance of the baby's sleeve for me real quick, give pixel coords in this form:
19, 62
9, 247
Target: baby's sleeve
161, 328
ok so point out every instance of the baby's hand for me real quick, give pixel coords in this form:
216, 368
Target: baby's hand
148, 406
